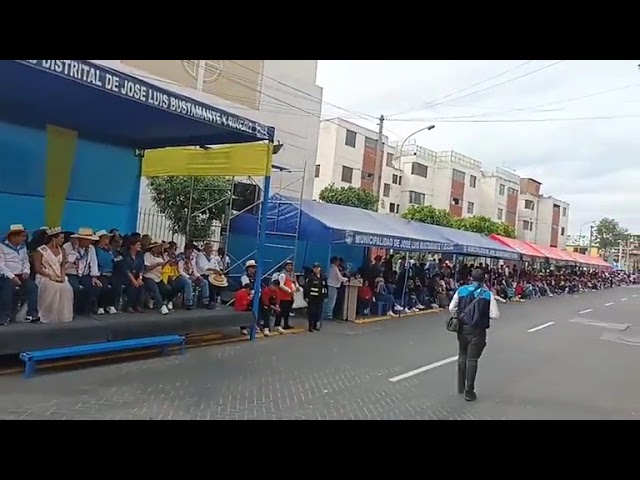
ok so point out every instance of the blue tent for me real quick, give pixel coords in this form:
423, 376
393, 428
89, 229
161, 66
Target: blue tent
337, 225
109, 106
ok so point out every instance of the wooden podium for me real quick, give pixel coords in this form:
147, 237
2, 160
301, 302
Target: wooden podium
350, 301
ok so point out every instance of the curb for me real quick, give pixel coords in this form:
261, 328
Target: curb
364, 321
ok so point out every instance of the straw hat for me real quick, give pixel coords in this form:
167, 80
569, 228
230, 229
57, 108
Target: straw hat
16, 228
218, 280
250, 263
153, 245
85, 234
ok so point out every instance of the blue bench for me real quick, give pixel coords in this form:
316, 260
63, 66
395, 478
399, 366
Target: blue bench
30, 358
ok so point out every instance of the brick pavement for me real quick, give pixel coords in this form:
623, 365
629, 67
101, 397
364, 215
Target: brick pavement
341, 373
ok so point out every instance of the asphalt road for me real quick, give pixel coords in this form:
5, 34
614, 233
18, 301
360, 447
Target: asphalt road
567, 357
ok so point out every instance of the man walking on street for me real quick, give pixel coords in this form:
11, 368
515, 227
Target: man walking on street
315, 291
475, 306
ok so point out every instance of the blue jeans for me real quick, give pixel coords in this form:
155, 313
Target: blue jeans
7, 296
185, 286
330, 303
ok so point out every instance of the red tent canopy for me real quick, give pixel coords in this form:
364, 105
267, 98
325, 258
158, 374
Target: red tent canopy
583, 259
518, 245
551, 253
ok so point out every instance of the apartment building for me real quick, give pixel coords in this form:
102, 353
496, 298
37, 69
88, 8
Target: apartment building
499, 196
541, 219
447, 180
347, 157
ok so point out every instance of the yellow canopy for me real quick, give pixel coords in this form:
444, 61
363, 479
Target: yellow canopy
245, 159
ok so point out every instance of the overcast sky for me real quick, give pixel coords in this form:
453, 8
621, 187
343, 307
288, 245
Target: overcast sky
593, 164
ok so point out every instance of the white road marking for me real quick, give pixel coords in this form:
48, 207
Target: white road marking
540, 327
426, 368
634, 296
586, 311
609, 304
595, 323
623, 299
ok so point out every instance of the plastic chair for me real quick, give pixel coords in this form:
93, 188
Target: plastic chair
383, 307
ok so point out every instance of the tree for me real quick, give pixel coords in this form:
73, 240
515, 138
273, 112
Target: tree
429, 214
191, 204
608, 235
349, 197
484, 226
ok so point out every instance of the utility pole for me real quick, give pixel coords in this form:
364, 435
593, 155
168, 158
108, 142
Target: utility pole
591, 241
377, 179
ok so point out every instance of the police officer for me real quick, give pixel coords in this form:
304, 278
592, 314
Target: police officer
315, 292
475, 306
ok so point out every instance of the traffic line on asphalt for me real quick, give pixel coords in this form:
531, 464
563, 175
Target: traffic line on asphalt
623, 299
426, 368
595, 323
609, 304
586, 311
634, 296
540, 327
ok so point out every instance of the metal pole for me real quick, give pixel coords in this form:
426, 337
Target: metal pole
262, 237
193, 180
228, 217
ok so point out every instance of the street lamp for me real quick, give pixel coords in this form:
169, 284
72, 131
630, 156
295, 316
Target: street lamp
430, 127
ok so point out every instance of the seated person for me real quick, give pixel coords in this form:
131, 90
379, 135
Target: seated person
242, 299
111, 285
82, 270
172, 277
365, 296
269, 305
131, 267
15, 276
189, 273
161, 293
382, 295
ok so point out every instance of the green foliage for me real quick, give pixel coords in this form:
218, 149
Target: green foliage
191, 204
609, 234
349, 197
477, 223
431, 215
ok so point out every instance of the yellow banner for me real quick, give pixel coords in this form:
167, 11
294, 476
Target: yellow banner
245, 159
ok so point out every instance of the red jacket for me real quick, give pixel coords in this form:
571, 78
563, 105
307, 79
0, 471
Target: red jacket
269, 298
364, 293
242, 302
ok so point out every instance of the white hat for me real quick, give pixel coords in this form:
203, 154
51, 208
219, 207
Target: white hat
16, 228
103, 233
85, 234
250, 263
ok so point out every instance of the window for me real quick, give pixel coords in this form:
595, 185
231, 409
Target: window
564, 212
458, 176
527, 226
416, 198
512, 191
394, 207
472, 181
562, 231
386, 190
367, 176
529, 205
389, 159
350, 139
470, 206
396, 179
419, 169
501, 189
347, 174
500, 214
317, 174
456, 201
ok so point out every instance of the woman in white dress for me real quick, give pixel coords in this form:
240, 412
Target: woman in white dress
55, 295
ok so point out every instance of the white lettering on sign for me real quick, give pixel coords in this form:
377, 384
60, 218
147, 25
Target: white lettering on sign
130, 87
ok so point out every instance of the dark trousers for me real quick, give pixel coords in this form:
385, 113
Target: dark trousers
160, 292
110, 292
135, 295
214, 292
285, 311
265, 317
471, 343
8, 292
85, 294
314, 313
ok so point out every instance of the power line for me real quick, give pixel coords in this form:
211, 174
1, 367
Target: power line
528, 120
431, 103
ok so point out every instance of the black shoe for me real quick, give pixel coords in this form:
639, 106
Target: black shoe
470, 396
311, 329
288, 327
35, 319
316, 328
188, 308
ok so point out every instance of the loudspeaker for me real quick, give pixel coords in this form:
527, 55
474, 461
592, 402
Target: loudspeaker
245, 195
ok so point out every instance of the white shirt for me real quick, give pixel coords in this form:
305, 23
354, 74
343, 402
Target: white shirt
335, 278
156, 273
194, 268
13, 261
81, 261
204, 263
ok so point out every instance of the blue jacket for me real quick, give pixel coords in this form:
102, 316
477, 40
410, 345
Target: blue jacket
480, 314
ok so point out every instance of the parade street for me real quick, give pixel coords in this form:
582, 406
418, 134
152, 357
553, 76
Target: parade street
567, 357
